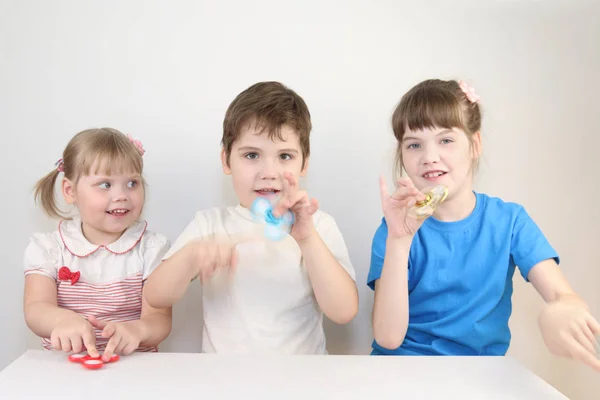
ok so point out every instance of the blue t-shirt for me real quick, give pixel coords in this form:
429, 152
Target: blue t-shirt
460, 278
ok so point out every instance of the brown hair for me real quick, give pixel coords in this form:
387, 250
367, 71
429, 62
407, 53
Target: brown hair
267, 105
435, 103
107, 149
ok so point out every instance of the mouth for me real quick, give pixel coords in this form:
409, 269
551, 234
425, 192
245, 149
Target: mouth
267, 192
433, 174
118, 212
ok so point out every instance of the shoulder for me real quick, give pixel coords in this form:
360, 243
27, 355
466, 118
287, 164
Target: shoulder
499, 209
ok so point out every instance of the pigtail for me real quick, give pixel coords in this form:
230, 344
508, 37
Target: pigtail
44, 194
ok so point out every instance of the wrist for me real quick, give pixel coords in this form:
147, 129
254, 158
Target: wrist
403, 242
308, 239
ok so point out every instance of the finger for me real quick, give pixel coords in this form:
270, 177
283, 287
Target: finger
594, 325
580, 353
589, 335
65, 341
314, 206
383, 189
89, 341
110, 347
582, 338
405, 181
96, 323
122, 343
130, 348
55, 341
402, 193
77, 345
109, 330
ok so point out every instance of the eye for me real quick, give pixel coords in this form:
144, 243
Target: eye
413, 146
446, 141
286, 156
251, 156
132, 184
104, 185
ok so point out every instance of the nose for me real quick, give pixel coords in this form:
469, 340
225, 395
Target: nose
269, 170
431, 155
120, 194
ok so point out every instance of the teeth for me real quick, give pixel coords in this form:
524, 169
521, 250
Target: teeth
433, 174
118, 211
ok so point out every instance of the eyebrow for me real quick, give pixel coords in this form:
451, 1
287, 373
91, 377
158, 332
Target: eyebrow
443, 132
250, 148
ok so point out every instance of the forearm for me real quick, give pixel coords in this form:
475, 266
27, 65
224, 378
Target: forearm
334, 289
390, 309
154, 328
42, 317
169, 281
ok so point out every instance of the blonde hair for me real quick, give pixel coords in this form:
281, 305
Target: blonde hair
435, 103
106, 149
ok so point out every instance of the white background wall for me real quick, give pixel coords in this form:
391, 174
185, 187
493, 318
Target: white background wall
166, 72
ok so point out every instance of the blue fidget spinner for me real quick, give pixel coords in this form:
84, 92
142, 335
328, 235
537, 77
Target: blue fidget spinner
276, 228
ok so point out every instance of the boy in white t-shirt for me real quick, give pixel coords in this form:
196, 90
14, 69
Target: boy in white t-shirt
262, 295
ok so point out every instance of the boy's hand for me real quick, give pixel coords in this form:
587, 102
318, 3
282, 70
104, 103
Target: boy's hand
125, 337
208, 255
298, 202
74, 334
569, 330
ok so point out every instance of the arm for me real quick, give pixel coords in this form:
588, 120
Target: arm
154, 323
66, 329
167, 284
566, 324
334, 289
42, 313
390, 308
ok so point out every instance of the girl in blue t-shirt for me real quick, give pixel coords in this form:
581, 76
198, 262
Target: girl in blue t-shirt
443, 284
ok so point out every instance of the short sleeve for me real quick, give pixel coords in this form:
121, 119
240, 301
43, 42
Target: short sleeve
43, 255
155, 247
377, 254
191, 232
331, 235
528, 245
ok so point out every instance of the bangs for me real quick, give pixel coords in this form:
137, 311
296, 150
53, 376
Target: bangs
112, 159
426, 108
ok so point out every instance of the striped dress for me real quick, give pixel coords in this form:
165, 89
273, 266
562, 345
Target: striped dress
101, 281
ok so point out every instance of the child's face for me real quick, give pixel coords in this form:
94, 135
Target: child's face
107, 204
257, 163
440, 156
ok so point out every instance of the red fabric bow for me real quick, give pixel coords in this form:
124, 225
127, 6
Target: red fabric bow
65, 274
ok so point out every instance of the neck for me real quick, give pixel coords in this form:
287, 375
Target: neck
456, 207
99, 238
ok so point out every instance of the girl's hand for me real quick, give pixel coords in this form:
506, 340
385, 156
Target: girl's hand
569, 330
125, 337
395, 208
74, 334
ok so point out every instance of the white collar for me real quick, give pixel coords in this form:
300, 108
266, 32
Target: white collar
74, 240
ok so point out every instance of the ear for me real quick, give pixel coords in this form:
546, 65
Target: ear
68, 191
477, 145
305, 169
224, 163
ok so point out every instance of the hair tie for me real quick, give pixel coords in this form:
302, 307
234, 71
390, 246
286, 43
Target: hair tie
60, 165
469, 92
137, 144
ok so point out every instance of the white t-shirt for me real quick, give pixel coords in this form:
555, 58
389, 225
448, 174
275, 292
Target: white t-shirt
92, 280
268, 305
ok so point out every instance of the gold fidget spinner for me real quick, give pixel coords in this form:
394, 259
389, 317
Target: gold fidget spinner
433, 197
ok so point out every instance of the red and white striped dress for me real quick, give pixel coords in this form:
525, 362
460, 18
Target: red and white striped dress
91, 280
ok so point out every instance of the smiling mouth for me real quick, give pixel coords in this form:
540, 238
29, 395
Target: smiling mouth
118, 212
267, 192
434, 174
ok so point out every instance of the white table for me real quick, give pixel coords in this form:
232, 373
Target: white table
41, 374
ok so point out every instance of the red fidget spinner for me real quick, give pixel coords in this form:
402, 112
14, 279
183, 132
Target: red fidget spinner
90, 362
